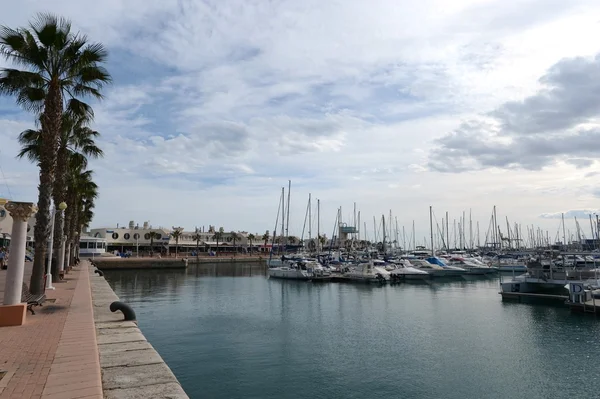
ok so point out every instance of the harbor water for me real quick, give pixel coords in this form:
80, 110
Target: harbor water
227, 331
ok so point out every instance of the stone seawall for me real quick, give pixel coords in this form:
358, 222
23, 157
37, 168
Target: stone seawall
131, 368
169, 263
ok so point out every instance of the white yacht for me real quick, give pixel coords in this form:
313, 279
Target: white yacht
366, 272
405, 271
471, 265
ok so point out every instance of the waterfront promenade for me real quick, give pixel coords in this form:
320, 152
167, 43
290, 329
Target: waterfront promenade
54, 354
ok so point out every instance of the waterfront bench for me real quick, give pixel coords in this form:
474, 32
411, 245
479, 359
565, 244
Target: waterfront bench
31, 299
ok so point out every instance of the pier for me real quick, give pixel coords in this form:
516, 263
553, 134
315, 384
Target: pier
116, 263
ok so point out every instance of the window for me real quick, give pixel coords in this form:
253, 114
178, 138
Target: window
115, 236
126, 236
147, 236
158, 236
92, 245
136, 236
83, 245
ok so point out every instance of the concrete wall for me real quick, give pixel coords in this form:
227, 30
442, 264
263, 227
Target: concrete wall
131, 368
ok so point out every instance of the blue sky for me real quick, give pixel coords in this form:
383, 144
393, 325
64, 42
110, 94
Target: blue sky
390, 103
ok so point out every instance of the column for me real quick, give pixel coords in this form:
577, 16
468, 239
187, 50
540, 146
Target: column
20, 213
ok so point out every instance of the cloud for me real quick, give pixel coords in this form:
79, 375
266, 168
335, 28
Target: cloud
575, 213
215, 105
559, 122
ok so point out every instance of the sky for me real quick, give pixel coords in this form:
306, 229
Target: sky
390, 104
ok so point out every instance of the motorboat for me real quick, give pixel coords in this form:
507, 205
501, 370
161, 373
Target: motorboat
366, 272
471, 265
451, 271
405, 271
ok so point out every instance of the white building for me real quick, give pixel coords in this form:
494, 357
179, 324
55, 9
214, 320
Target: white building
138, 239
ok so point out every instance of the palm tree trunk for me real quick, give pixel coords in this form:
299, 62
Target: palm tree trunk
217, 247
51, 121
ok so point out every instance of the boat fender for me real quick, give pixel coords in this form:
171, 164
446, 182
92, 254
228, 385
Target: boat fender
127, 310
99, 272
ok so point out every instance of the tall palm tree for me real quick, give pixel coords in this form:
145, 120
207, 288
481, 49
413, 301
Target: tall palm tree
235, 236
153, 235
75, 139
176, 234
58, 66
81, 194
218, 236
197, 237
265, 238
251, 237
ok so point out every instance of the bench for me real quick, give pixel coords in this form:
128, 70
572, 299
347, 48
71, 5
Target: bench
31, 299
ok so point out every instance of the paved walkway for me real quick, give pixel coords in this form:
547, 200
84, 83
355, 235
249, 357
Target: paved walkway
54, 355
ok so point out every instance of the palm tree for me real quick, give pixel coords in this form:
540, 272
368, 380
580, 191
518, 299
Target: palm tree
235, 236
58, 66
218, 236
197, 237
75, 139
176, 234
291, 240
153, 235
322, 241
251, 237
265, 238
81, 194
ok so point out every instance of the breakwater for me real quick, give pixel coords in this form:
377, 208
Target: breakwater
131, 367
168, 263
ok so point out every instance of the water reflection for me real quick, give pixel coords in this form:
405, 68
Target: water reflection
291, 339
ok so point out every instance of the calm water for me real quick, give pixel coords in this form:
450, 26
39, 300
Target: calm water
229, 332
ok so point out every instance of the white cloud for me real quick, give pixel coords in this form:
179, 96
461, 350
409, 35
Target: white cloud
216, 104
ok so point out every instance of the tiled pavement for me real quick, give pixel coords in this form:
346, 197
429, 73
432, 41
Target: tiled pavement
54, 355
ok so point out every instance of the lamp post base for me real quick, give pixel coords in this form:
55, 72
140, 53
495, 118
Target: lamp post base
49, 285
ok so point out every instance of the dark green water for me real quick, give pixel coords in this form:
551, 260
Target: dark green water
230, 332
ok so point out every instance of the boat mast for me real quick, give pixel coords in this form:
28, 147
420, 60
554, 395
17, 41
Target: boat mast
309, 218
318, 225
358, 226
403, 240
383, 229
470, 230
414, 238
287, 223
431, 229
282, 218
562, 216
495, 236
447, 233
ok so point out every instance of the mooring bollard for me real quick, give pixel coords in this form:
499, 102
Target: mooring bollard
99, 272
127, 311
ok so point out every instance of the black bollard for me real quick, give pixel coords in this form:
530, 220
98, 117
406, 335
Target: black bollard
99, 272
127, 311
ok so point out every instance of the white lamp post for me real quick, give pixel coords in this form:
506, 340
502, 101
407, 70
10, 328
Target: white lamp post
61, 255
62, 206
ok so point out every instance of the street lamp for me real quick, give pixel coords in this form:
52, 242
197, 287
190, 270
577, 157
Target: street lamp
62, 206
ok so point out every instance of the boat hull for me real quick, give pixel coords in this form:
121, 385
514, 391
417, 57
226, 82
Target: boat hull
289, 274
